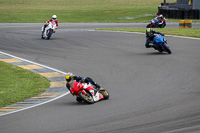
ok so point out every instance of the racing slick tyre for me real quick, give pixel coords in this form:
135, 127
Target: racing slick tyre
86, 98
167, 49
162, 25
104, 93
78, 99
49, 33
148, 26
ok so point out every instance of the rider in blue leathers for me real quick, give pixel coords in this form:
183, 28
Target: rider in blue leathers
150, 36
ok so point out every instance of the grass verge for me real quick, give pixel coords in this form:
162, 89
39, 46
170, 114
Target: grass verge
36, 11
17, 84
188, 32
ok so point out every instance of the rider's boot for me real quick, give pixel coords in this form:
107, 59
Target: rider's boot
44, 30
44, 34
153, 46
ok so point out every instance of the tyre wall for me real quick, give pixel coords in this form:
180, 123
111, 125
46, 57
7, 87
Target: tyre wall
176, 13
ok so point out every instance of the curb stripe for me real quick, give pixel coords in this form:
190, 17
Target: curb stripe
30, 67
58, 84
11, 60
56, 90
51, 74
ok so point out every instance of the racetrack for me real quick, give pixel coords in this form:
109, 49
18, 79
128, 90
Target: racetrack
149, 92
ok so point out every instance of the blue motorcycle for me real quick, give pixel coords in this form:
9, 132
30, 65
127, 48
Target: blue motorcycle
161, 44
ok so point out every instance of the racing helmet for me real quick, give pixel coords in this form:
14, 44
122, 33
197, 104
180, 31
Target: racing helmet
160, 16
54, 17
69, 77
148, 31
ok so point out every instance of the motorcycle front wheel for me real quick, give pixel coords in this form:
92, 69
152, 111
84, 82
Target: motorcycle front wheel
167, 49
104, 93
49, 33
78, 99
86, 98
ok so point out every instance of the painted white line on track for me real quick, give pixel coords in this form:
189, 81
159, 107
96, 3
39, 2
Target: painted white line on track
65, 73
39, 103
144, 34
33, 62
35, 105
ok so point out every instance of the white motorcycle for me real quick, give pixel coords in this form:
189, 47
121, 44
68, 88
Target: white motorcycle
49, 30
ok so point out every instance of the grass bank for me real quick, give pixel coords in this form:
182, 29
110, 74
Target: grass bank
34, 11
17, 84
189, 32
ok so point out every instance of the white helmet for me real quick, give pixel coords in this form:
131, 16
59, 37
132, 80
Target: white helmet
54, 17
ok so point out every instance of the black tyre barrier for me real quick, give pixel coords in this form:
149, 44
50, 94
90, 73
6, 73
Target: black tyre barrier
196, 14
176, 13
167, 13
191, 14
186, 14
179, 14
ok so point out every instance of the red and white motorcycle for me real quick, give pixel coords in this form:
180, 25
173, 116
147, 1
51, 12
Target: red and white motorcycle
49, 30
156, 23
86, 92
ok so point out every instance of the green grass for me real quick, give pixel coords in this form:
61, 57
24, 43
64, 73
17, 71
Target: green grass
188, 32
34, 11
17, 84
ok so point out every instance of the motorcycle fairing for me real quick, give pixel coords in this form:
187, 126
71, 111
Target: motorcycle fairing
159, 42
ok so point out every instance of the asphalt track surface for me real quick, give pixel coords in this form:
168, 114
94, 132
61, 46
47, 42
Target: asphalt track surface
150, 92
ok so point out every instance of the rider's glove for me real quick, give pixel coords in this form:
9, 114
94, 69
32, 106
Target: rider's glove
163, 34
97, 86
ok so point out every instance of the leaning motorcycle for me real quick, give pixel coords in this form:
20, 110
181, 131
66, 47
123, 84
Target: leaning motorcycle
161, 44
86, 93
49, 30
154, 23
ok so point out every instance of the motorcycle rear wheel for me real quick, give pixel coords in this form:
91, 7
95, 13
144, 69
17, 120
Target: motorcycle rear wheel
148, 26
104, 93
86, 98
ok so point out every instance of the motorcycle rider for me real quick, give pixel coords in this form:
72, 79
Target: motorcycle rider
53, 19
161, 20
70, 77
150, 36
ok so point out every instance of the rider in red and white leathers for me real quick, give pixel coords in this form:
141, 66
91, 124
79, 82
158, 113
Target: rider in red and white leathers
161, 20
53, 19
